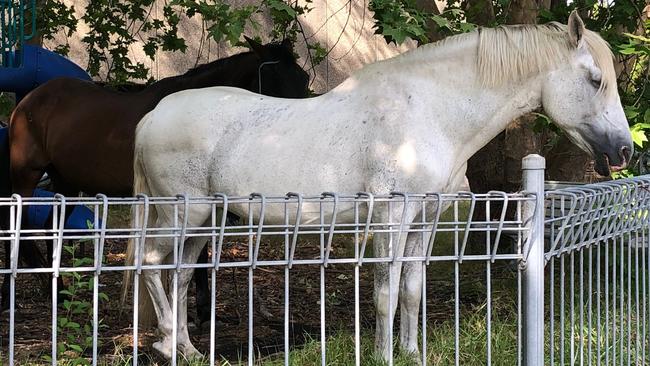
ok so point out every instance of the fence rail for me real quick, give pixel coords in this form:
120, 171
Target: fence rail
472, 264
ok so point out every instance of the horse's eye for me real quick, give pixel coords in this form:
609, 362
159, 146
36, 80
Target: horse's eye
596, 83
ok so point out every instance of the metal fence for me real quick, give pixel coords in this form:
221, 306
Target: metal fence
490, 292
597, 266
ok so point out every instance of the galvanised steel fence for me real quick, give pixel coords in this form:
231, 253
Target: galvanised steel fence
499, 278
597, 264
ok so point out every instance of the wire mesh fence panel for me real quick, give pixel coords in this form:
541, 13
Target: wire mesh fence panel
340, 279
287, 275
597, 252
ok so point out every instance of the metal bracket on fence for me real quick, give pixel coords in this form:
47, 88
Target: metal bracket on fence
183, 234
594, 200
296, 227
640, 203
631, 188
260, 226
565, 222
579, 222
216, 257
609, 195
371, 205
139, 249
619, 193
605, 199
401, 221
434, 226
330, 234
17, 217
502, 217
468, 224
56, 254
102, 233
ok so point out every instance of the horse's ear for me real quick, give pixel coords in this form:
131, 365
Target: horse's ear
287, 44
256, 47
576, 28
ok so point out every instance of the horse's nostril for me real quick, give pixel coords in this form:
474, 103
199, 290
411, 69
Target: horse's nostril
625, 153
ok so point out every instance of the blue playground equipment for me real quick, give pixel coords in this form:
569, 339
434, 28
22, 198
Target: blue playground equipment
25, 67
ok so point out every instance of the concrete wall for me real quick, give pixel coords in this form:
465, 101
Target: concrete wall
344, 27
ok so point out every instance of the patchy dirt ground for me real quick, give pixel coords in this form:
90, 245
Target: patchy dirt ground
33, 315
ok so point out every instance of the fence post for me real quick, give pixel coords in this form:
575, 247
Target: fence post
533, 272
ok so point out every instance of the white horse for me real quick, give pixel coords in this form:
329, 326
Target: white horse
406, 124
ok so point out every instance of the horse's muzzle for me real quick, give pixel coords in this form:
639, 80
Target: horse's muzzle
613, 161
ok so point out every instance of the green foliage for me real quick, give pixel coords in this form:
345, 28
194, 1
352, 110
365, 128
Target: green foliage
74, 321
398, 20
54, 17
222, 21
116, 26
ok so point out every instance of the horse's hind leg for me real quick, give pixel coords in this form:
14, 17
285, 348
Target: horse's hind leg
202, 289
193, 247
387, 277
155, 251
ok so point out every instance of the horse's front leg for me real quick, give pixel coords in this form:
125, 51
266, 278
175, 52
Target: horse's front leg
411, 295
387, 277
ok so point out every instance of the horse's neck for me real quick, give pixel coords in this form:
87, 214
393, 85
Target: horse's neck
445, 81
211, 76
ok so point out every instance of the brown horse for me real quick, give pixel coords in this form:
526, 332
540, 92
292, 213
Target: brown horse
82, 135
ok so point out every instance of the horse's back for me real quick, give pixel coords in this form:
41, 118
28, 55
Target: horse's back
232, 141
69, 125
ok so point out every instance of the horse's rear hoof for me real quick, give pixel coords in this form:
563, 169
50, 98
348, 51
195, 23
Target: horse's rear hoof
190, 352
164, 348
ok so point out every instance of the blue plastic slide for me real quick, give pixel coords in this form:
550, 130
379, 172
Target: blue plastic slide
38, 66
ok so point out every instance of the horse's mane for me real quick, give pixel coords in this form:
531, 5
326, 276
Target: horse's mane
276, 49
222, 62
513, 52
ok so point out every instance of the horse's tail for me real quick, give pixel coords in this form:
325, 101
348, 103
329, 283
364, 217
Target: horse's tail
146, 313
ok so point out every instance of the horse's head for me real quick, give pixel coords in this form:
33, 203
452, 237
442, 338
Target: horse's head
279, 73
581, 97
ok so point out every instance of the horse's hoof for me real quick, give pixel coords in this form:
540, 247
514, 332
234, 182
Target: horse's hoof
191, 353
414, 357
164, 348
